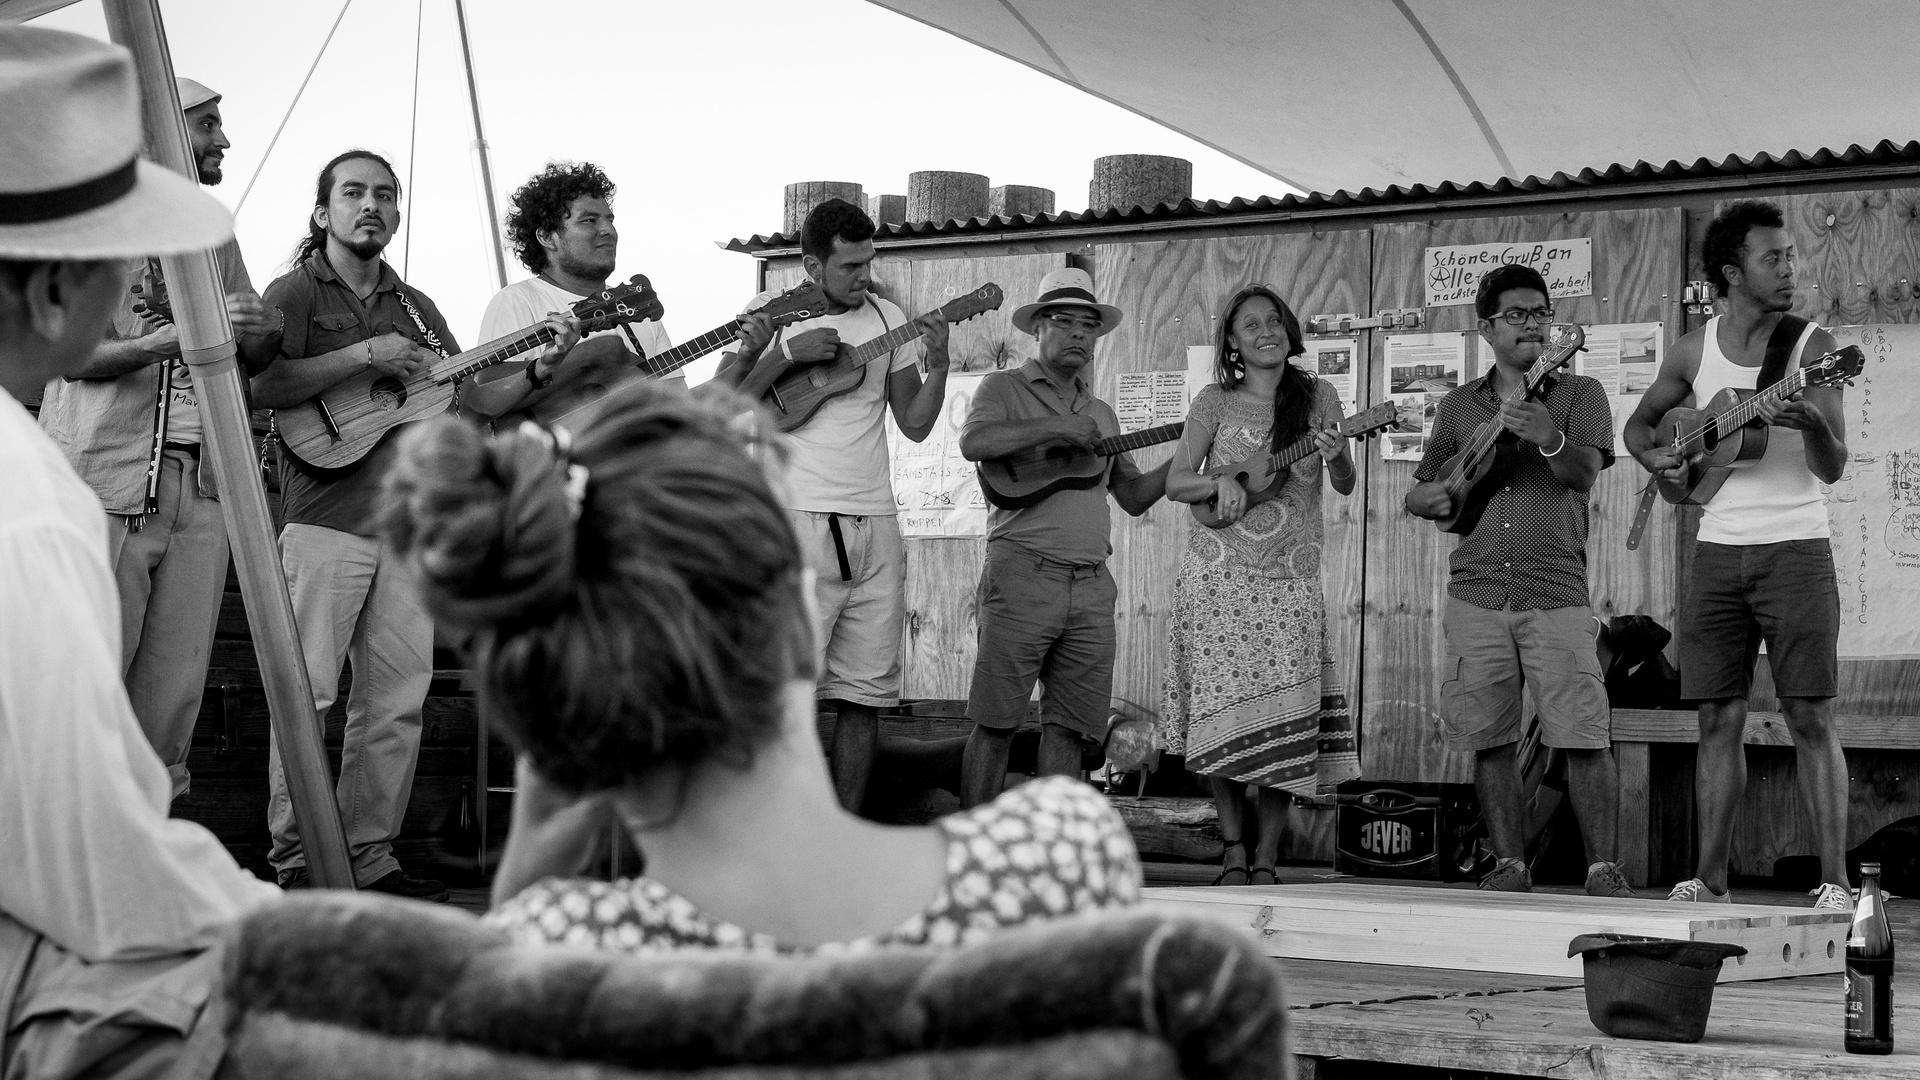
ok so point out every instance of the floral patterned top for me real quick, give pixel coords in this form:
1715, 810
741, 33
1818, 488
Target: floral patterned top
1279, 538
1045, 849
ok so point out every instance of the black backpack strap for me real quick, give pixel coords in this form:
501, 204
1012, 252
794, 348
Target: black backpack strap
1786, 335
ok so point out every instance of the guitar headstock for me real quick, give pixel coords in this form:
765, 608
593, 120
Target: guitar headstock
1838, 367
803, 301
628, 302
1371, 421
986, 298
1563, 340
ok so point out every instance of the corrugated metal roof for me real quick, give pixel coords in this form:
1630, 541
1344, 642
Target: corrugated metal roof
1804, 167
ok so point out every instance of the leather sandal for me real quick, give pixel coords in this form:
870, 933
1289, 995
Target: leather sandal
1253, 874
1227, 870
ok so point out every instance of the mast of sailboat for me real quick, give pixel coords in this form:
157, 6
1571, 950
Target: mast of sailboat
494, 245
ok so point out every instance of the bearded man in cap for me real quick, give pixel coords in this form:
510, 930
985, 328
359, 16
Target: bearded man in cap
129, 424
109, 910
1046, 599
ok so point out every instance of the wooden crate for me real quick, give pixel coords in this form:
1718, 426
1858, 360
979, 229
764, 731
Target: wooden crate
1525, 933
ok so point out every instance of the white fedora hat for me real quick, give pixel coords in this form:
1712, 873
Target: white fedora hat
72, 185
1067, 287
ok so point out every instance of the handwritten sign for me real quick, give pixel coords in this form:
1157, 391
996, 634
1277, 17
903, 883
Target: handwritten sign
933, 486
1453, 273
1150, 398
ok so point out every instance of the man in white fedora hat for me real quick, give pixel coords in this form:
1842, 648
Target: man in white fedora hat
1046, 599
140, 454
108, 908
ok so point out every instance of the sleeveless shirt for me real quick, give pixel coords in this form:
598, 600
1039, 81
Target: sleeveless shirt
1776, 497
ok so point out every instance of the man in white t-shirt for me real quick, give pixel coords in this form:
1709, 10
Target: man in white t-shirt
839, 486
561, 225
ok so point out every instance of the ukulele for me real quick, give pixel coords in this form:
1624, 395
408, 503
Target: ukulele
1478, 471
610, 362
1262, 473
329, 434
1714, 441
1019, 480
797, 395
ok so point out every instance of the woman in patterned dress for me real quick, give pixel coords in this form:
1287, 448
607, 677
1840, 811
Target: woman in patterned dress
641, 625
1250, 694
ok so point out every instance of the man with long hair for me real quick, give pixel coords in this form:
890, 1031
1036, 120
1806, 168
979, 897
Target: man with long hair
348, 312
165, 533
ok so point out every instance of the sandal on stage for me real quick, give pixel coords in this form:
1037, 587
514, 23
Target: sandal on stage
1228, 870
1254, 874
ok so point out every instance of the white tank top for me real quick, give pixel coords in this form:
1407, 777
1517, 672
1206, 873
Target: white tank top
1770, 500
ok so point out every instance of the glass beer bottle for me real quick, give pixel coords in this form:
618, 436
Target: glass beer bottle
1869, 1015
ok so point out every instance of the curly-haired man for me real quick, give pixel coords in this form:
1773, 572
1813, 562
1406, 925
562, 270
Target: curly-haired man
561, 226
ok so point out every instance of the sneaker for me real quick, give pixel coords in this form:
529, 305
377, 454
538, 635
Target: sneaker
399, 883
294, 877
1833, 898
1694, 890
1510, 876
1605, 879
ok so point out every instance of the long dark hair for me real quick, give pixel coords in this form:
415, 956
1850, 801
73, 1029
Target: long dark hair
1293, 397
316, 238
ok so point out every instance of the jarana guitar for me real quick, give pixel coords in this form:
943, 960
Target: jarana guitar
1475, 474
1714, 441
616, 364
1020, 480
1261, 474
328, 434
798, 394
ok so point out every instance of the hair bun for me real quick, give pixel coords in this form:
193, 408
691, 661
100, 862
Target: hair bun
486, 520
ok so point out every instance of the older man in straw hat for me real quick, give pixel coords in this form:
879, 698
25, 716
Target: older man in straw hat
129, 424
1046, 598
107, 907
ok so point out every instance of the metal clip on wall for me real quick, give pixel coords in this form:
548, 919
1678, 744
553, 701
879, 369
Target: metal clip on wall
1387, 319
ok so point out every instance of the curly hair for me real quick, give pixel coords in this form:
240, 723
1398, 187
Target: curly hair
658, 628
835, 219
1726, 241
541, 204
1294, 396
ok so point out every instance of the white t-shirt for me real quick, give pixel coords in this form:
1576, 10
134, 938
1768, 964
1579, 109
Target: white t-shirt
524, 303
88, 855
838, 463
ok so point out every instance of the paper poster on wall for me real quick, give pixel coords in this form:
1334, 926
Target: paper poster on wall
1200, 373
1150, 399
1623, 358
1453, 273
933, 486
1421, 368
1333, 359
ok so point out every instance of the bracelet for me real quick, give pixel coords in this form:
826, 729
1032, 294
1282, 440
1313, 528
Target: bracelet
533, 375
369, 344
1557, 449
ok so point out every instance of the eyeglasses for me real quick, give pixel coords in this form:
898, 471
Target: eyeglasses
1068, 323
1523, 316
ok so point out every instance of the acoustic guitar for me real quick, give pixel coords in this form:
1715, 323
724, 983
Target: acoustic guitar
1716, 440
329, 434
1019, 480
1261, 474
610, 362
798, 394
1475, 474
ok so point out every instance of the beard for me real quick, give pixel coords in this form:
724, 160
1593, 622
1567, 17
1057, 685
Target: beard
593, 269
209, 170
363, 249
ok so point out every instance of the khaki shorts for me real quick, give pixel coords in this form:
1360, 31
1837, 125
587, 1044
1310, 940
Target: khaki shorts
1492, 655
863, 603
1045, 621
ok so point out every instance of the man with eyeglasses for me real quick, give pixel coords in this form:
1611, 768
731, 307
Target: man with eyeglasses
1046, 600
1517, 611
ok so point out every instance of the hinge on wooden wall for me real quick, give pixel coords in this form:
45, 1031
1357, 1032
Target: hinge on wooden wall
1697, 297
1387, 319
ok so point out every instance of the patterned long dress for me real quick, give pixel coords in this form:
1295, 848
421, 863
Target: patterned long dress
1251, 693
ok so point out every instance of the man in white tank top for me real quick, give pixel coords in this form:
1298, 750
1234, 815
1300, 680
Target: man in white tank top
1762, 566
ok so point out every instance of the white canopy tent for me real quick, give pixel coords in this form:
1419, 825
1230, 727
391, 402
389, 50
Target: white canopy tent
1349, 94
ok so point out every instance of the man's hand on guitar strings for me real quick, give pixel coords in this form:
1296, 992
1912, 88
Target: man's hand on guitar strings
1665, 464
933, 330
566, 334
1531, 421
1795, 414
814, 346
754, 333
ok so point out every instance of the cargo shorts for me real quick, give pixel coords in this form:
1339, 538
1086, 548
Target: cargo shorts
1492, 656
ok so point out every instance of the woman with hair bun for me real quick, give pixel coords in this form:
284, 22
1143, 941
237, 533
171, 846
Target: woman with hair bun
640, 626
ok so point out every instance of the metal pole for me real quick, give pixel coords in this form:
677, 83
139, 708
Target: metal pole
494, 246
206, 344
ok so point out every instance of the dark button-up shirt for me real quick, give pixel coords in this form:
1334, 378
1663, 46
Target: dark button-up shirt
324, 315
1529, 550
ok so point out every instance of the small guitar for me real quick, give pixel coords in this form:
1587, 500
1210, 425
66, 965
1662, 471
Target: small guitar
1714, 440
1261, 474
1020, 480
328, 434
798, 394
1484, 465
592, 381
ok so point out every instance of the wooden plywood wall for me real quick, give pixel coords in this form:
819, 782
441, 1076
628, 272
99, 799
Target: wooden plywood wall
1638, 268
1172, 293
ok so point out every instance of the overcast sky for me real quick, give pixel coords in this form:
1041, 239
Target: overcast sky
700, 112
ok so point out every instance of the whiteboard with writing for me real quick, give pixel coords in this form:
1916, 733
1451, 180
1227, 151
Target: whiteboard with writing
934, 487
1874, 509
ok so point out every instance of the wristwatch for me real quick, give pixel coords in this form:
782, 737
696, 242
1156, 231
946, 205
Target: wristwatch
533, 375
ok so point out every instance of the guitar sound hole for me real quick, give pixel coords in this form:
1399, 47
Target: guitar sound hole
387, 392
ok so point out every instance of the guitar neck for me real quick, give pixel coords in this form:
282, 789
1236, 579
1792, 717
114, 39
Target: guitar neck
479, 358
1749, 410
690, 350
1121, 444
868, 352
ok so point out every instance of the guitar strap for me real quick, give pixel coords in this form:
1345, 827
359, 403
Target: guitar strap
1780, 345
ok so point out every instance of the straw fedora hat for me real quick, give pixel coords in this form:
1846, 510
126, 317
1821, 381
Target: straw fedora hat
1066, 288
72, 185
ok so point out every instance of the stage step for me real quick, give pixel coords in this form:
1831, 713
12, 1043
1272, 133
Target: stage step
1523, 933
